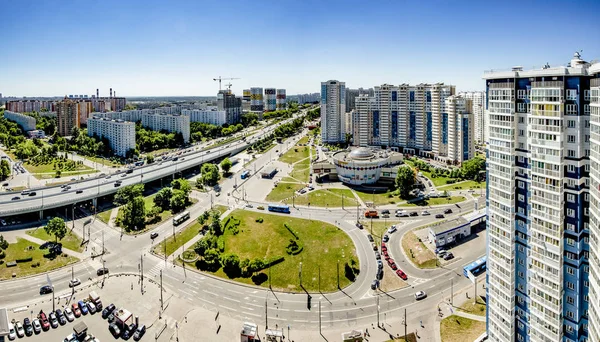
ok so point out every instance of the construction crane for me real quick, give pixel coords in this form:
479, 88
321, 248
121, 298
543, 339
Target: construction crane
224, 79
228, 85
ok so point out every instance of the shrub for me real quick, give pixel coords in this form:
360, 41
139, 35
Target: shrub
2, 255
293, 248
291, 231
259, 220
28, 259
450, 181
221, 244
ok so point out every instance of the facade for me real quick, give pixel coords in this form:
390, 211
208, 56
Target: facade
168, 122
246, 100
25, 106
333, 108
460, 146
25, 121
362, 166
67, 117
226, 101
120, 134
270, 99
256, 101
213, 117
281, 100
539, 283
84, 110
478, 99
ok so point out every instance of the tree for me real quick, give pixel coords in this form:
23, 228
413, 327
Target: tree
405, 181
470, 169
150, 159
178, 201
211, 259
126, 194
202, 246
226, 165
4, 169
182, 184
231, 265
215, 225
210, 174
134, 214
163, 198
57, 227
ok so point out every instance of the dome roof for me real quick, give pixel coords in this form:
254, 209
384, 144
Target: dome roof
361, 153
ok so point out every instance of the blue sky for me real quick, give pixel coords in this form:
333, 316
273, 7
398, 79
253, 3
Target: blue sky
53, 48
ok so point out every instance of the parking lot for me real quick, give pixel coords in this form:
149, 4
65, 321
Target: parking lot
124, 292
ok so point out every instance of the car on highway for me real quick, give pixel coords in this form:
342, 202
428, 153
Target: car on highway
16, 198
12, 333
74, 282
439, 216
425, 213
69, 314
102, 271
448, 211
154, 235
420, 295
413, 213
37, 327
44, 321
108, 310
359, 225
2, 222
114, 330
19, 329
139, 332
82, 307
28, 326
392, 229
32, 193
76, 310
91, 307
53, 320
375, 284
386, 238
61, 317
385, 211
401, 274
402, 214
45, 289
79, 191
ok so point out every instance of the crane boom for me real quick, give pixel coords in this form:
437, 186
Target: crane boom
224, 79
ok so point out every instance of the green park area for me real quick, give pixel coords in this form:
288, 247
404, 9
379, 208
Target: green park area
458, 329
44, 169
435, 201
378, 198
70, 241
282, 191
299, 173
269, 250
471, 307
104, 161
28, 259
417, 252
303, 140
295, 154
380, 226
331, 198
464, 185
409, 338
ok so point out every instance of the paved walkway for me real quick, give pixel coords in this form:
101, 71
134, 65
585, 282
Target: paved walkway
40, 242
113, 215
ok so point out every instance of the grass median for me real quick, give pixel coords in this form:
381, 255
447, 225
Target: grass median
70, 241
458, 329
417, 252
41, 260
331, 198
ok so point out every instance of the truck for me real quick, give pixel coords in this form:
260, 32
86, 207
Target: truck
371, 213
94, 298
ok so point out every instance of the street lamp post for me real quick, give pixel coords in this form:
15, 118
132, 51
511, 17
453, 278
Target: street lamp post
300, 274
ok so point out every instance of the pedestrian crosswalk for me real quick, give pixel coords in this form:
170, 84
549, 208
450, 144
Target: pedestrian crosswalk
154, 272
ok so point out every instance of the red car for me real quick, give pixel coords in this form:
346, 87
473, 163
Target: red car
76, 310
401, 274
393, 266
383, 247
391, 261
386, 255
44, 321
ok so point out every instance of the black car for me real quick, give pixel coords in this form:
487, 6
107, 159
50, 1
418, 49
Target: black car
102, 271
380, 274
32, 193
448, 256
448, 211
370, 238
439, 216
375, 284
359, 225
45, 289
139, 332
108, 310
61, 317
154, 235
414, 213
129, 171
16, 198
385, 211
28, 327
128, 331
114, 329
78, 191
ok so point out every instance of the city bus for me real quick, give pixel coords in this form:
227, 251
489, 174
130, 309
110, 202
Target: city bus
476, 267
279, 208
181, 217
245, 174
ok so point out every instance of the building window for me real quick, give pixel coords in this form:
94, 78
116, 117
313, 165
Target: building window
521, 198
586, 211
571, 123
570, 315
571, 168
570, 300
521, 185
586, 196
571, 138
571, 153
569, 328
521, 119
521, 133
572, 94
570, 226
521, 146
586, 95
586, 283
520, 274
570, 198
571, 109
570, 212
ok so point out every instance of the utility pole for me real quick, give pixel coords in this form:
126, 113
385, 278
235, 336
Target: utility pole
161, 293
338, 273
319, 278
142, 271
405, 332
73, 215
320, 317
103, 242
378, 311
300, 274
342, 200
266, 312
452, 291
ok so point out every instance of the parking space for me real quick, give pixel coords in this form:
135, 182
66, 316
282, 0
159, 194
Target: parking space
467, 248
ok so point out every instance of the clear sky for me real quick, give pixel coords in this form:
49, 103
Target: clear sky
156, 48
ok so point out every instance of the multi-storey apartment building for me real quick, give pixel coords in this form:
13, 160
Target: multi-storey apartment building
246, 100
232, 105
538, 281
168, 122
25, 121
270, 99
280, 100
67, 116
213, 117
478, 100
120, 134
460, 146
25, 106
256, 100
333, 103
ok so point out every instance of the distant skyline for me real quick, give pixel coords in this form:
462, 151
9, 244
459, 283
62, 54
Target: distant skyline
176, 48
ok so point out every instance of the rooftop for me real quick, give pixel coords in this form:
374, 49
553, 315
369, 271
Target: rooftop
361, 154
448, 225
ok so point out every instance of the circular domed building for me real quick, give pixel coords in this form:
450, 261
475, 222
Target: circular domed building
361, 165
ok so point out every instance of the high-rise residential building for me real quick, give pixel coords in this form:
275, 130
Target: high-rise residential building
25, 106
168, 122
460, 144
84, 109
25, 121
281, 100
256, 101
213, 117
232, 105
478, 99
246, 100
270, 99
120, 134
333, 108
539, 217
67, 116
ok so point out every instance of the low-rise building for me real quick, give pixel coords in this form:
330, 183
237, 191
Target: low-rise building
120, 134
213, 117
25, 121
36, 133
448, 232
168, 122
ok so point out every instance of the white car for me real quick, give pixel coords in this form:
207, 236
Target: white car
74, 282
19, 329
425, 213
2, 222
420, 295
69, 314
392, 229
12, 334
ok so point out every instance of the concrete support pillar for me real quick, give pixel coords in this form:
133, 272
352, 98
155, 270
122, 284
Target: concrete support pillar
95, 202
41, 215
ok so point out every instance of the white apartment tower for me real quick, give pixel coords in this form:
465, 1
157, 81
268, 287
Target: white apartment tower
478, 100
460, 145
120, 134
333, 108
541, 218
168, 122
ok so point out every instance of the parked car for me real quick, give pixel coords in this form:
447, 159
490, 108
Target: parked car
91, 307
385, 211
69, 314
439, 216
439, 249
380, 274
383, 247
82, 307
139, 332
28, 327
392, 229
393, 265
74, 282
370, 238
44, 321
12, 333
448, 211
401, 274
53, 320
128, 331
37, 327
420, 295
386, 238
76, 310
386, 256
19, 329
114, 330
102, 271
108, 310
45, 289
448, 256
375, 284
61, 317
379, 264
154, 235
377, 256
425, 213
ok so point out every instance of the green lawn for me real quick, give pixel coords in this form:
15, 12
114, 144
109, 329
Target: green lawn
220, 208
437, 181
378, 198
48, 170
105, 215
102, 161
471, 307
435, 201
295, 154
224, 142
417, 252
66, 174
323, 246
20, 250
380, 226
70, 241
303, 140
283, 191
459, 329
324, 198
465, 185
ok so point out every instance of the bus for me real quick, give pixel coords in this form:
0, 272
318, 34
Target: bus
279, 208
476, 267
245, 174
181, 217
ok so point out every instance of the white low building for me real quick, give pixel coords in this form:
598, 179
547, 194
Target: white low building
120, 134
168, 122
25, 121
213, 117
